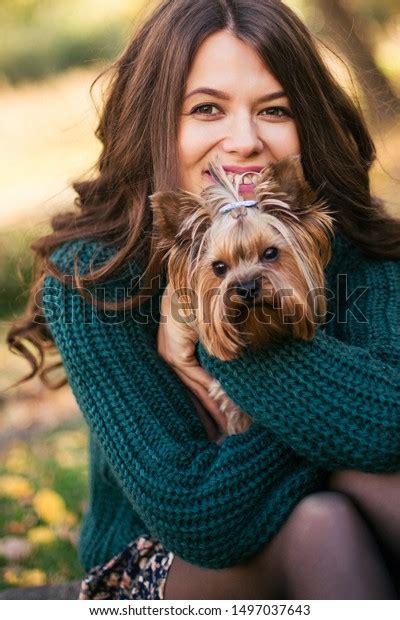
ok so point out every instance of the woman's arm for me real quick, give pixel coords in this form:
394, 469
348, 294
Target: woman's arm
212, 505
336, 399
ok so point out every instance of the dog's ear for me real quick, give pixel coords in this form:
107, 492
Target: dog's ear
165, 207
286, 176
289, 172
283, 185
172, 208
282, 189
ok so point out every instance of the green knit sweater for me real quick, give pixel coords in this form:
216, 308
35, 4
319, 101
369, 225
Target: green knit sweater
328, 404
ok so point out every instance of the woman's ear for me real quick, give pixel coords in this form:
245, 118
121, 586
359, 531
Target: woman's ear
172, 208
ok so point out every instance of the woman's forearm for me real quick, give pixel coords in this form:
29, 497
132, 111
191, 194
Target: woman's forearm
335, 404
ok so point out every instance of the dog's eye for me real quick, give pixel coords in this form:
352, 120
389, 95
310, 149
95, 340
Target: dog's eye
270, 254
219, 268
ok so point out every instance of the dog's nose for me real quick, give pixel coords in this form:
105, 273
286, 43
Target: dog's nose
248, 290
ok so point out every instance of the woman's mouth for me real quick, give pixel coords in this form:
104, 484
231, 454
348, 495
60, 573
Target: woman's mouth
248, 179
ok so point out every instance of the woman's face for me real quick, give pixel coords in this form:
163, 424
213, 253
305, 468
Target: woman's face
239, 113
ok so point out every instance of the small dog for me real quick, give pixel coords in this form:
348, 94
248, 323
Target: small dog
246, 273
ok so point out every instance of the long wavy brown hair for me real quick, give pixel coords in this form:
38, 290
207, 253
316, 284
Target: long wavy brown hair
138, 130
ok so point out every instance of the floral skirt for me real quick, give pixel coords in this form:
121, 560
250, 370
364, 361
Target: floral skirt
138, 572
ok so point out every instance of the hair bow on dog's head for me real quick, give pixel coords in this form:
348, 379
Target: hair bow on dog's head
236, 205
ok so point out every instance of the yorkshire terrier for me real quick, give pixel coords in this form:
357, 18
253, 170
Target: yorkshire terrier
246, 273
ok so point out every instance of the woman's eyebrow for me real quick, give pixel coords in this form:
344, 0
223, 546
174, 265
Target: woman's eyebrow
221, 95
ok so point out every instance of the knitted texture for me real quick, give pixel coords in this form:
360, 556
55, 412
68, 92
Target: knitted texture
317, 406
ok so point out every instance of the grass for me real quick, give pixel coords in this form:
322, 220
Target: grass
43, 491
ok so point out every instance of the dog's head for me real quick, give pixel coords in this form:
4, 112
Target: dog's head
253, 272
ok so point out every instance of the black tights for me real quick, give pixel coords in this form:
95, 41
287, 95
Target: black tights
377, 498
342, 543
350, 541
327, 551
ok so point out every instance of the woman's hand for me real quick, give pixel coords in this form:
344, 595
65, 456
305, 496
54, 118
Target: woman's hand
176, 344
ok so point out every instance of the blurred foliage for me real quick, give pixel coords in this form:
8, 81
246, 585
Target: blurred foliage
379, 11
21, 10
43, 488
40, 37
16, 260
34, 54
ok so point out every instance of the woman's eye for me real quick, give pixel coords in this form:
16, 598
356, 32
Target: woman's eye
204, 108
277, 111
219, 268
270, 254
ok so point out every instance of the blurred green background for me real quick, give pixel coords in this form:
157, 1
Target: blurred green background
50, 53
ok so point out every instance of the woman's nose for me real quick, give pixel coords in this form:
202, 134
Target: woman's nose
243, 138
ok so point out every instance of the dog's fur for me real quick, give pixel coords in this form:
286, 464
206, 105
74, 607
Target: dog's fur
261, 298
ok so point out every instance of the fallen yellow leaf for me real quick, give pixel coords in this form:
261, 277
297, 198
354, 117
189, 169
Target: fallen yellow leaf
28, 577
41, 535
49, 506
32, 577
70, 440
17, 460
15, 487
10, 577
67, 459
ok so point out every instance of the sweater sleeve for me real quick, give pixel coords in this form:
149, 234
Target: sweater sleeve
335, 399
211, 505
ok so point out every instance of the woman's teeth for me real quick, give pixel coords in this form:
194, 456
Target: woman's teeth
246, 178
243, 179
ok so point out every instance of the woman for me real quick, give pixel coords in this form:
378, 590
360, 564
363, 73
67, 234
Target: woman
272, 512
